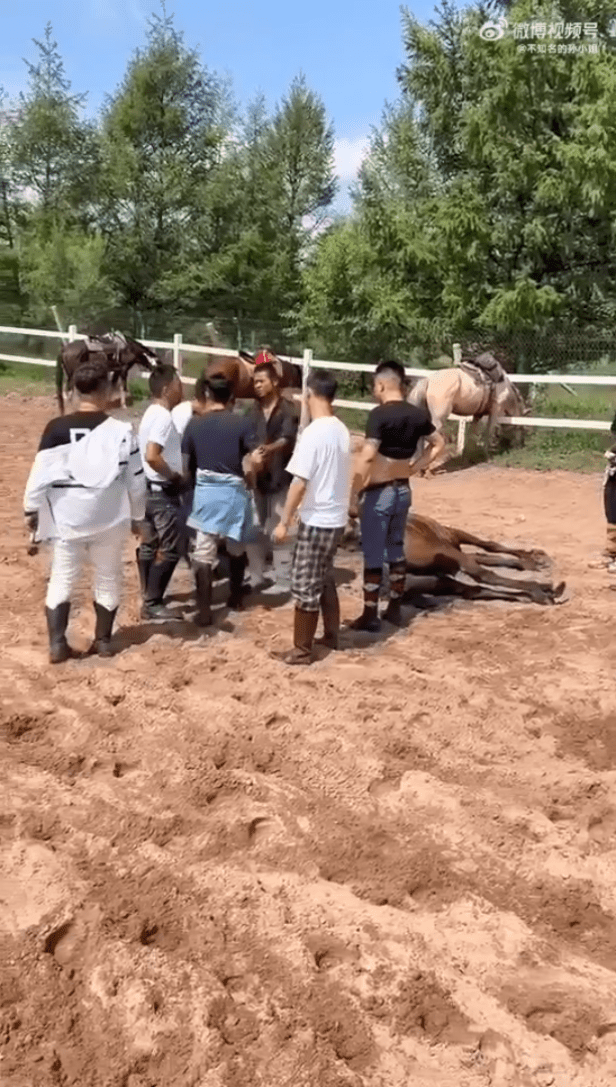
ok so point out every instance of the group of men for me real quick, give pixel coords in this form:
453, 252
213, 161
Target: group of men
201, 475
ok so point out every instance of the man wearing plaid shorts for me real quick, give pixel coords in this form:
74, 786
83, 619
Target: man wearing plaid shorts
321, 470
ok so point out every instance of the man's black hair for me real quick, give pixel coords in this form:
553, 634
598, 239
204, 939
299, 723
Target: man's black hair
323, 384
92, 375
269, 369
394, 367
161, 378
219, 389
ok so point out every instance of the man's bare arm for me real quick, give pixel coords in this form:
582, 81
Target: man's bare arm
156, 461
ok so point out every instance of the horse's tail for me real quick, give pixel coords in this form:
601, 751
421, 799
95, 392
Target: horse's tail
60, 382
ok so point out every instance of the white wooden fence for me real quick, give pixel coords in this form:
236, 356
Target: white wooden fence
177, 346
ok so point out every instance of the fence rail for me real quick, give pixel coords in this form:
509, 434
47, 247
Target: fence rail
177, 345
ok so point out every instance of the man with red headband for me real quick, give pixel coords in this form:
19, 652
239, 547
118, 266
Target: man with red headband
275, 423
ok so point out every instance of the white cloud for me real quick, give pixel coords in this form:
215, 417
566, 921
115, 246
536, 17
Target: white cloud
349, 154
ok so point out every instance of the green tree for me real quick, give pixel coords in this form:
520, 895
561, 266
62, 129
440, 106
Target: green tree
266, 202
52, 149
488, 198
64, 267
164, 137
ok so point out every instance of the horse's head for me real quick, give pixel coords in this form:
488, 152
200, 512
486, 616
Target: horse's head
513, 403
142, 356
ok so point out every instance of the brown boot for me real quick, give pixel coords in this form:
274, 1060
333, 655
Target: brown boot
304, 630
330, 608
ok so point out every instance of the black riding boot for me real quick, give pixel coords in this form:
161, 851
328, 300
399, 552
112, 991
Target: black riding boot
203, 586
397, 585
369, 618
57, 622
144, 566
237, 565
158, 579
102, 631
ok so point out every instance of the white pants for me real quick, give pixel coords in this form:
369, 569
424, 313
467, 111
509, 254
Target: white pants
105, 552
269, 509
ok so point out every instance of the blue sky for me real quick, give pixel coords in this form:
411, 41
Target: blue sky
348, 49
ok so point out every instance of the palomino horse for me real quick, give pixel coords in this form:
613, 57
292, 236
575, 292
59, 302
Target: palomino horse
239, 370
458, 391
121, 354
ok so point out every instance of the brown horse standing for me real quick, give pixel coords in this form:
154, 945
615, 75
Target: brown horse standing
121, 356
239, 370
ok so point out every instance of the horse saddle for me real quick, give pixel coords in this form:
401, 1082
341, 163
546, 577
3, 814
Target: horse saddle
104, 341
486, 368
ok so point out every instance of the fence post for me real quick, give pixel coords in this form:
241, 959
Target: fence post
304, 419
72, 333
457, 353
177, 352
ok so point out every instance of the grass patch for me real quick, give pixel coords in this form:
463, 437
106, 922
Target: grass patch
29, 380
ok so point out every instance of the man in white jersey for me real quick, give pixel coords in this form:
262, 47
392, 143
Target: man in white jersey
181, 414
85, 487
321, 470
161, 453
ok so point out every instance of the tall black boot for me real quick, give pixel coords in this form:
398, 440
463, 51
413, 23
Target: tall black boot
237, 565
203, 585
369, 618
397, 585
57, 622
102, 632
144, 566
158, 579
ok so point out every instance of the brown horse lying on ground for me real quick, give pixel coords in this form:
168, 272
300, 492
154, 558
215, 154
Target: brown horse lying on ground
434, 555
239, 370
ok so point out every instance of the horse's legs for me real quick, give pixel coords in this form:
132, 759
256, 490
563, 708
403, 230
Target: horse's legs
511, 561
449, 586
529, 560
538, 591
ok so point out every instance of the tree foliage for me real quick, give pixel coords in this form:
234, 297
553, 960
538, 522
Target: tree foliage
488, 198
486, 203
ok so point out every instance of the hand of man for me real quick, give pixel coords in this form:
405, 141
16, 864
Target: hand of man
257, 458
135, 527
280, 533
31, 521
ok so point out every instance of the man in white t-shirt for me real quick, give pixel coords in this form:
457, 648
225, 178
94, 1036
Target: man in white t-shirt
321, 470
161, 452
181, 414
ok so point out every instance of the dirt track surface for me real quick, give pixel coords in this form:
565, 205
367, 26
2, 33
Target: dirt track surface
394, 868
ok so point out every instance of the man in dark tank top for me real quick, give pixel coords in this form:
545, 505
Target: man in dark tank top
394, 430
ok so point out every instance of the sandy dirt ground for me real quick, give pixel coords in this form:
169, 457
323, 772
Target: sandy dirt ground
394, 868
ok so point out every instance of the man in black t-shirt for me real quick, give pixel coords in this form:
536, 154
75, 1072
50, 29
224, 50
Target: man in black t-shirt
275, 423
217, 450
393, 431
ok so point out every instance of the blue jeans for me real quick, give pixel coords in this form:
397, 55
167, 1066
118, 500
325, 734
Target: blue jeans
383, 522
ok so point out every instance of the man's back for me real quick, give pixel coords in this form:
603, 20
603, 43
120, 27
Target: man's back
398, 426
323, 458
218, 442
